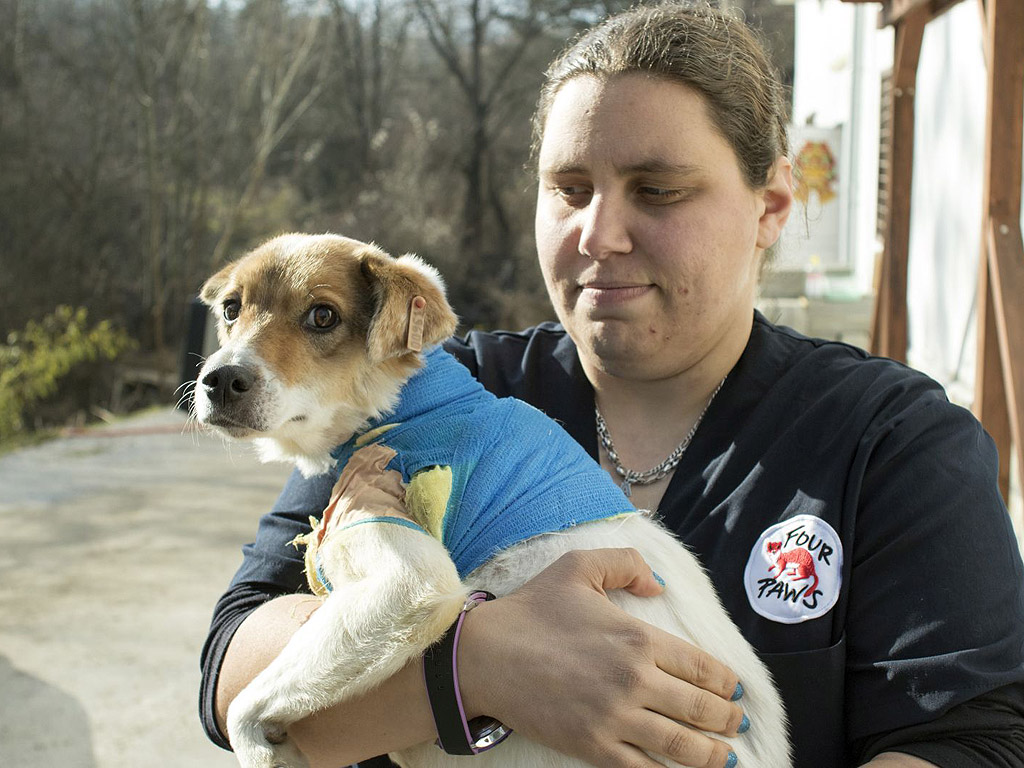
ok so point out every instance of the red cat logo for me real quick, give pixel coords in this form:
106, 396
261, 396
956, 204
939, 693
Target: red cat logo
794, 565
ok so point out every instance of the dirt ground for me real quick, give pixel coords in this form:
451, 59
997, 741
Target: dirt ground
114, 546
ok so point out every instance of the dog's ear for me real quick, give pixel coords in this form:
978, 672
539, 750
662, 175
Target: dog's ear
410, 308
212, 288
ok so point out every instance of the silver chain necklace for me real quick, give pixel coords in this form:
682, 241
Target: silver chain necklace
631, 477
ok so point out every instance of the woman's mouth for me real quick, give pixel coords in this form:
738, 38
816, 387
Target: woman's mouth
611, 294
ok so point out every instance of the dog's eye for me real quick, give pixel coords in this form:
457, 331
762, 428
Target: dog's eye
231, 310
322, 318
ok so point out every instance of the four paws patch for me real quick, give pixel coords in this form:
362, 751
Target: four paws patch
795, 570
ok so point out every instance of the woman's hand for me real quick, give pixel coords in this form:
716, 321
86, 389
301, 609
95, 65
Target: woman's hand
561, 664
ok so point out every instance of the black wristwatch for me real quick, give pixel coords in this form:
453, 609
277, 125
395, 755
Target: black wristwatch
456, 735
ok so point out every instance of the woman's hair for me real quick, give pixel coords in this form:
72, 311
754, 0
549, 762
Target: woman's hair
710, 51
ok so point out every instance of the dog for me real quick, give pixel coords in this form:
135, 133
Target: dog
329, 359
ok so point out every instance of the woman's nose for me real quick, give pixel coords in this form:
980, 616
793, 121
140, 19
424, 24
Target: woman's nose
604, 230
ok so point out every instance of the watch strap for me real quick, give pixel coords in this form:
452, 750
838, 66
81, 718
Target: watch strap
456, 735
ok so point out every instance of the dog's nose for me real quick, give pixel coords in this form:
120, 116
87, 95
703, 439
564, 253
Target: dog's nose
227, 384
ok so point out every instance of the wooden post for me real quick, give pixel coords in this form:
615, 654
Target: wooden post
1006, 287
889, 328
999, 381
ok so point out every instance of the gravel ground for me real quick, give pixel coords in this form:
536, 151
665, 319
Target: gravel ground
114, 546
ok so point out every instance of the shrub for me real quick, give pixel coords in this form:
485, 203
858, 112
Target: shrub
33, 362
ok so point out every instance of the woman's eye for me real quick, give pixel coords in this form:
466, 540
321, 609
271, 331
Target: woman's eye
230, 310
573, 194
656, 195
659, 194
322, 318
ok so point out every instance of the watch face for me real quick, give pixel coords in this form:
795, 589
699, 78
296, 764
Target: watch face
487, 732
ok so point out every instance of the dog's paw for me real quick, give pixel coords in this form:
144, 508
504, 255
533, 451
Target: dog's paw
258, 744
270, 751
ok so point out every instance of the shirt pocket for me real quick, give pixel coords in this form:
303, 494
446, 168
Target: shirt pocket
812, 685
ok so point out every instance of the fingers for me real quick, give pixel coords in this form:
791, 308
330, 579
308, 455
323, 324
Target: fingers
686, 703
686, 746
678, 695
652, 734
687, 662
625, 756
608, 569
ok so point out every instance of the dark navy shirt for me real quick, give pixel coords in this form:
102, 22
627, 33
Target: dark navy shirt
920, 647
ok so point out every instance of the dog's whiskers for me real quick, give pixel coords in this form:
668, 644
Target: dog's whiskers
192, 426
187, 390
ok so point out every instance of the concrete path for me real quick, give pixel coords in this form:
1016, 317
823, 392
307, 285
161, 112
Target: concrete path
114, 546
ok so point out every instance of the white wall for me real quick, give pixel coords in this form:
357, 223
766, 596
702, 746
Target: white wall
945, 234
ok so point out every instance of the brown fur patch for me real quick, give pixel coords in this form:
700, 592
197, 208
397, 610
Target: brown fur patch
278, 284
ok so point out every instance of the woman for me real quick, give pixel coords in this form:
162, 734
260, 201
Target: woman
783, 462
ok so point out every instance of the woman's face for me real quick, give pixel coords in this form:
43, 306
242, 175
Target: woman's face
649, 238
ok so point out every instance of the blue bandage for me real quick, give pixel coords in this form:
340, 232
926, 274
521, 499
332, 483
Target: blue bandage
516, 474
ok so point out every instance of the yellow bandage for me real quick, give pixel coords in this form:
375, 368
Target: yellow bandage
426, 498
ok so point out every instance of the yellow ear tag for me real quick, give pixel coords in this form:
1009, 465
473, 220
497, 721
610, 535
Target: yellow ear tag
414, 341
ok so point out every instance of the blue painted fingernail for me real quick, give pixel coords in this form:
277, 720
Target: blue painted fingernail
738, 693
731, 762
658, 578
744, 725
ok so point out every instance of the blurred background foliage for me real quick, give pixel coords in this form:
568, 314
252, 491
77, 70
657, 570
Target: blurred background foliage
34, 362
145, 142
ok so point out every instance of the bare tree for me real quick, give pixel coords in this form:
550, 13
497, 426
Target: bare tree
481, 42
166, 38
494, 51
371, 47
282, 96
142, 141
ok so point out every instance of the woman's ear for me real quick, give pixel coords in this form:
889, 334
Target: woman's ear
410, 308
778, 202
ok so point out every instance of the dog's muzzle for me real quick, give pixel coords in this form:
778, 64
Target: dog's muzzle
227, 398
227, 385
